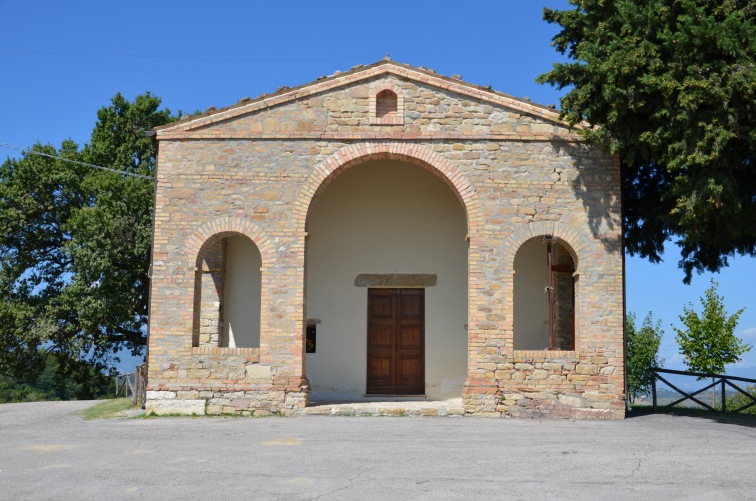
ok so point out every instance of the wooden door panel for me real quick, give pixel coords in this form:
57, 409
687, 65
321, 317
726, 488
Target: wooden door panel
410, 336
380, 367
396, 341
411, 305
382, 336
410, 376
382, 307
410, 367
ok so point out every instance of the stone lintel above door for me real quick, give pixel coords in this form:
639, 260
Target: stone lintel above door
395, 280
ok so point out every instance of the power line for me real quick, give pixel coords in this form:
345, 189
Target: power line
56, 157
191, 58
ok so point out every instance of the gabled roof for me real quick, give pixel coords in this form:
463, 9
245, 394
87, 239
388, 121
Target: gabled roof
356, 74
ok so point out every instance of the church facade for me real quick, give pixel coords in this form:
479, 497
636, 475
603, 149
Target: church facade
385, 231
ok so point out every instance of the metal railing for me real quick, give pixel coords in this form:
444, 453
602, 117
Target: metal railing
720, 380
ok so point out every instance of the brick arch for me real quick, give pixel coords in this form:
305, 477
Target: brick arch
375, 90
579, 249
380, 87
421, 156
219, 228
573, 241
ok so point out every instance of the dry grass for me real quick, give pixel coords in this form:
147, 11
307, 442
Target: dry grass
107, 409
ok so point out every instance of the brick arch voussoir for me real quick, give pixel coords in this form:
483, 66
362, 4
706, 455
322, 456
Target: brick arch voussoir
219, 228
378, 88
575, 243
421, 156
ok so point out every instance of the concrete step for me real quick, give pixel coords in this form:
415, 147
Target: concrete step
451, 407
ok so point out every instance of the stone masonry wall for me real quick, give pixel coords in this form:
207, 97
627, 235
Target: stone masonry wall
254, 170
208, 326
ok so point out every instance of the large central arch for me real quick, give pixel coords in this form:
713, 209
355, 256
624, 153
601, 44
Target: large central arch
388, 154
421, 156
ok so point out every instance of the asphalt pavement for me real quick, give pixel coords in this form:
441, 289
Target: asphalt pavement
48, 452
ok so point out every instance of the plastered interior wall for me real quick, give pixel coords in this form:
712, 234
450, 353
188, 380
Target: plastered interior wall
241, 294
531, 305
385, 217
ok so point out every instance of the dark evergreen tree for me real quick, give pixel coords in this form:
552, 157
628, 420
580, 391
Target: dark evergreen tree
671, 86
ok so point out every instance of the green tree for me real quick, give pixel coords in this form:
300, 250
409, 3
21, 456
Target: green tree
739, 400
671, 86
60, 379
642, 354
75, 242
708, 342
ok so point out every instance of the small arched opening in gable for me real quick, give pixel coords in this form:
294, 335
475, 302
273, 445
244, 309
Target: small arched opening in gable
386, 103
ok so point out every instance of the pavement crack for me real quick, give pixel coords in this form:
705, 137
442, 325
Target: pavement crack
349, 484
639, 459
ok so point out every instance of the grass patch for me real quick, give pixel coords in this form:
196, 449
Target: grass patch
107, 409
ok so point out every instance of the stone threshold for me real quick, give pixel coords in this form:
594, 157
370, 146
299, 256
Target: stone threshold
387, 407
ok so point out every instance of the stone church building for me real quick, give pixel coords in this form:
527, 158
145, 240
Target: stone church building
385, 231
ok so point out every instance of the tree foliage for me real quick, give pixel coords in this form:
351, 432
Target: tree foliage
75, 242
708, 342
739, 400
642, 354
60, 378
670, 86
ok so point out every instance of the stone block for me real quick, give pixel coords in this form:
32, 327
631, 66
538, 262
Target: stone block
161, 395
214, 410
551, 366
172, 407
539, 374
488, 414
586, 369
320, 410
572, 401
388, 411
257, 371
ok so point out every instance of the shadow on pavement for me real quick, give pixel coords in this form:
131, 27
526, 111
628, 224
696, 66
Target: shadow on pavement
748, 420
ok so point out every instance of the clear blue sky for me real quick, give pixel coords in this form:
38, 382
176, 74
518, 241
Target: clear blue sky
62, 61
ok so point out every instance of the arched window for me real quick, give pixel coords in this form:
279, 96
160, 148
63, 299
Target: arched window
227, 294
385, 104
544, 296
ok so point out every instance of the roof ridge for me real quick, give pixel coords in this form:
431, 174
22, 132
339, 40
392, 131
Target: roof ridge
479, 91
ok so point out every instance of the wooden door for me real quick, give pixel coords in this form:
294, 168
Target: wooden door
396, 342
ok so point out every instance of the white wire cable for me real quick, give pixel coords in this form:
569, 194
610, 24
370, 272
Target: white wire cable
189, 58
34, 152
